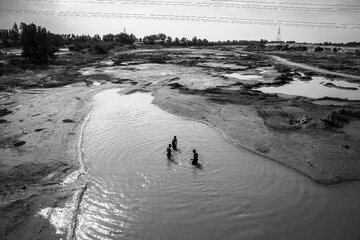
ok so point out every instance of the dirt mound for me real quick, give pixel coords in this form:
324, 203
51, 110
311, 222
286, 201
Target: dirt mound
281, 120
338, 119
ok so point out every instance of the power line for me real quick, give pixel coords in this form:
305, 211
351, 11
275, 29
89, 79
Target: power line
290, 3
262, 5
239, 2
186, 18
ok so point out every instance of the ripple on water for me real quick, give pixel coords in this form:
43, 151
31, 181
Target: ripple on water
135, 193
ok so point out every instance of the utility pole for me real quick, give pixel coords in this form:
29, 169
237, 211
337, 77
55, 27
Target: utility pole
124, 30
278, 37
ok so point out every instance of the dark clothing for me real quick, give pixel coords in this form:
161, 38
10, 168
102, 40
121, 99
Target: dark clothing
169, 152
174, 144
195, 159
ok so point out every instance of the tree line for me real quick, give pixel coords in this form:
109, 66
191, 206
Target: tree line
162, 39
39, 44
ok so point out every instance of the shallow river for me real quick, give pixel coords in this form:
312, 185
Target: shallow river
135, 193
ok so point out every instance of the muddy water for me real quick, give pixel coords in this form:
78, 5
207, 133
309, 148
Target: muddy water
136, 193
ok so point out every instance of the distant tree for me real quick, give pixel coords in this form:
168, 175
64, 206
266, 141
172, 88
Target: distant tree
161, 37
151, 39
35, 42
169, 40
176, 41
183, 41
14, 35
109, 37
5, 37
194, 41
83, 38
57, 40
96, 38
133, 38
125, 38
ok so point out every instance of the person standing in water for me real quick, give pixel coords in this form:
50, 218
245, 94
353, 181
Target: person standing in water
174, 143
195, 159
169, 155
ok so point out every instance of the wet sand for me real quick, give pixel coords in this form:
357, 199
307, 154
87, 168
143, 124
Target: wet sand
39, 148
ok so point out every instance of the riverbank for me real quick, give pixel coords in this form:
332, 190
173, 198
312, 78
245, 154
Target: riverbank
39, 148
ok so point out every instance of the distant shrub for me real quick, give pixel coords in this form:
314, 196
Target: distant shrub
318, 49
300, 48
93, 47
284, 48
74, 48
255, 46
282, 68
99, 49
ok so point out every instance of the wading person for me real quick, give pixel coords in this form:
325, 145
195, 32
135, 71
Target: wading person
195, 159
169, 155
174, 143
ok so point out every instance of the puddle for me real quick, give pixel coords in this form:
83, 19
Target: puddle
107, 62
242, 76
136, 193
248, 79
232, 67
315, 89
63, 51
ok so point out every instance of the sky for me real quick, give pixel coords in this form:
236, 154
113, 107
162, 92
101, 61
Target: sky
212, 31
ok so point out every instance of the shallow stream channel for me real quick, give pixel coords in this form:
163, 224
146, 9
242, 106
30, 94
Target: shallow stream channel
134, 192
